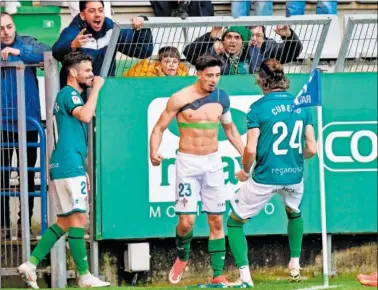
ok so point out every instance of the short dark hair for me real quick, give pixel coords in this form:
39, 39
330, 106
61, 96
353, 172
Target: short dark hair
74, 58
272, 76
207, 60
168, 51
5, 13
262, 27
83, 4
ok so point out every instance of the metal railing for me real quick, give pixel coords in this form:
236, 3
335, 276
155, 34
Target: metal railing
41, 169
300, 52
14, 137
358, 51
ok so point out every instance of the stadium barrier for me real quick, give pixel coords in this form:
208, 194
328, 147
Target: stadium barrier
15, 239
358, 51
181, 34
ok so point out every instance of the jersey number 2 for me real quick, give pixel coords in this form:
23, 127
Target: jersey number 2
295, 138
83, 187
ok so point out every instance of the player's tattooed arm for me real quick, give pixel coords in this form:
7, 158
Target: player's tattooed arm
233, 136
249, 154
310, 148
173, 106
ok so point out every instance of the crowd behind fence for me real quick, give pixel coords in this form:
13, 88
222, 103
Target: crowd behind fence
300, 50
296, 42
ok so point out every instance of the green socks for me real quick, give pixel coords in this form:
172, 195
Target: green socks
78, 250
217, 251
49, 238
183, 246
238, 242
295, 233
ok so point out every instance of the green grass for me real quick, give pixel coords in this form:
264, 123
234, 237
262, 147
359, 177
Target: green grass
278, 283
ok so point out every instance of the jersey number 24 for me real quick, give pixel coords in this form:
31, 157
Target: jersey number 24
295, 138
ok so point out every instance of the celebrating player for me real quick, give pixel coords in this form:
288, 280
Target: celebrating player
199, 172
275, 140
67, 170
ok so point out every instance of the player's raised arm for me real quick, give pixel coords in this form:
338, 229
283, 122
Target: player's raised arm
85, 113
310, 148
171, 110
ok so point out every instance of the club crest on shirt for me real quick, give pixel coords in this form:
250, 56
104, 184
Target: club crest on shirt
76, 100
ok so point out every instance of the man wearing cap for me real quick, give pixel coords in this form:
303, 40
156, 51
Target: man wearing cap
230, 44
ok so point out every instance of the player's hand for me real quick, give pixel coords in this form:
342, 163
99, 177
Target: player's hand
81, 39
88, 182
98, 82
156, 159
283, 30
9, 51
137, 23
241, 176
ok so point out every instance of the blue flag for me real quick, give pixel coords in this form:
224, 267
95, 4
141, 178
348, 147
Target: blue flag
311, 93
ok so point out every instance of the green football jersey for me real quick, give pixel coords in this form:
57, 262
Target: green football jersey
70, 152
279, 157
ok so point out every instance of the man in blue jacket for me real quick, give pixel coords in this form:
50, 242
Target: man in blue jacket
26, 49
90, 32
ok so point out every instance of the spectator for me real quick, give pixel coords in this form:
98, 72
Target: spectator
265, 8
231, 45
262, 48
182, 9
75, 8
26, 49
168, 65
90, 32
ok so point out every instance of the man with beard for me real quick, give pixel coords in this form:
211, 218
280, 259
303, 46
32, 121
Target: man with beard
90, 32
199, 108
67, 170
231, 45
27, 49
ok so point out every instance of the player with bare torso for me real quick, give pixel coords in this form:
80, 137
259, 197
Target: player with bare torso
199, 109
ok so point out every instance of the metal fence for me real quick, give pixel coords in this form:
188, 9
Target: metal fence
358, 51
300, 50
19, 152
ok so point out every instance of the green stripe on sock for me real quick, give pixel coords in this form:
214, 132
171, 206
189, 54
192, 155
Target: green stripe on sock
217, 251
295, 234
49, 238
78, 250
202, 126
183, 246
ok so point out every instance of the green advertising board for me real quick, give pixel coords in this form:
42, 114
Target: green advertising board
136, 200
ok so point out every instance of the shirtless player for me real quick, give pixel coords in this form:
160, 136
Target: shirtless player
199, 109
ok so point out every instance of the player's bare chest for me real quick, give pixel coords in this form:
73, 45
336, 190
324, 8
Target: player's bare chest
207, 113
